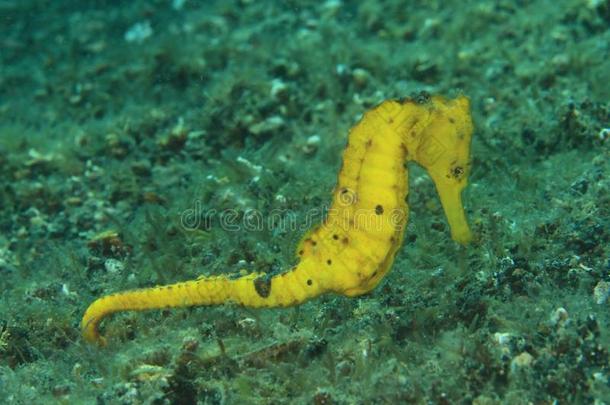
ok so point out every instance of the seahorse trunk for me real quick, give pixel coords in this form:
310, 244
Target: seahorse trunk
253, 290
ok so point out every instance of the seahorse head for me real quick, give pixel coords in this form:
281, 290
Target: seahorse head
444, 150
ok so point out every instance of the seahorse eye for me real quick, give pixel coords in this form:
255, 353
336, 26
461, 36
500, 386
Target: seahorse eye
457, 172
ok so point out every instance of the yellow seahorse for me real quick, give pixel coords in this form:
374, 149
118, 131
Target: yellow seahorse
353, 249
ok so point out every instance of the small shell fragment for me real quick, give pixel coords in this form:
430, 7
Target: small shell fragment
601, 291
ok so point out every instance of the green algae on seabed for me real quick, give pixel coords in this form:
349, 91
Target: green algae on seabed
207, 114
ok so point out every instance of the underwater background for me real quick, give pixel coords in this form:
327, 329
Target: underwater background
131, 130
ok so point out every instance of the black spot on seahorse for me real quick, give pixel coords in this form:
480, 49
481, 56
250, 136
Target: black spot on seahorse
262, 285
